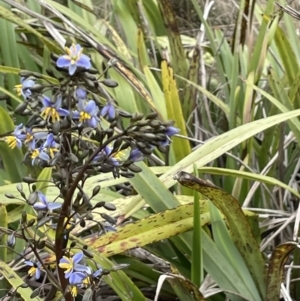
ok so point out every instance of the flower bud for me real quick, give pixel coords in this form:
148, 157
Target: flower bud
31, 223
87, 253
11, 240
21, 108
9, 196
137, 117
82, 223
134, 168
108, 218
25, 73
37, 88
152, 115
96, 190
28, 180
127, 174
110, 83
109, 206
44, 221
26, 112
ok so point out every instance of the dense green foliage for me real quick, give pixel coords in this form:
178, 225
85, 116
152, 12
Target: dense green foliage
236, 104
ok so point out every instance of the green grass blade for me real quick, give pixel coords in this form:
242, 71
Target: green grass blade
249, 176
5, 286
11, 158
217, 146
197, 259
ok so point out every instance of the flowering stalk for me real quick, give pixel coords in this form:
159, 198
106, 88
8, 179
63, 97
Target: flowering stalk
69, 121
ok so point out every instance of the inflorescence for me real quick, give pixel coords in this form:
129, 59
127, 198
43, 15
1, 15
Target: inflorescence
75, 127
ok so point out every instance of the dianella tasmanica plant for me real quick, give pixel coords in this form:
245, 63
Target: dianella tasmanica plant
74, 129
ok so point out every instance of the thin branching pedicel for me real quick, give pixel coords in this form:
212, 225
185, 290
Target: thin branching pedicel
74, 127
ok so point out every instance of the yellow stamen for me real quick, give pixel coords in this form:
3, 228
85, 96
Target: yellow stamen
50, 112
86, 281
84, 116
11, 141
32, 271
68, 51
52, 151
74, 291
35, 153
119, 155
67, 265
18, 89
29, 138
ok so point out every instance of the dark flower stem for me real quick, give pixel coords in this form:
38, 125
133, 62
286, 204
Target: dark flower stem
66, 210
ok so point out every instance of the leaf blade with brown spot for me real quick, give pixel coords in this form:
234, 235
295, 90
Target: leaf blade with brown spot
239, 227
275, 269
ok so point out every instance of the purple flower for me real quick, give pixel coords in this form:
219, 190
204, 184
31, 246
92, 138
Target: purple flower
87, 113
24, 88
53, 110
172, 130
109, 110
90, 275
16, 138
44, 205
75, 279
39, 153
72, 264
35, 268
49, 147
136, 155
112, 158
73, 59
30, 138
81, 93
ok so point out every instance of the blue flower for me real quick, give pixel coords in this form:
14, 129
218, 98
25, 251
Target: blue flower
111, 158
30, 138
16, 138
172, 130
39, 153
51, 146
81, 93
73, 59
98, 272
87, 113
136, 155
44, 205
24, 88
72, 264
35, 268
109, 110
76, 279
53, 110
46, 151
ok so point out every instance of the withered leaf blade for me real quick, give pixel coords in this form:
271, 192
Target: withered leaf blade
239, 227
275, 269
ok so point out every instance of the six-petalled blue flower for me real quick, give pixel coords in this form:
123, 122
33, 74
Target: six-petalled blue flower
35, 268
87, 113
44, 205
16, 138
53, 110
24, 87
72, 264
109, 110
74, 59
